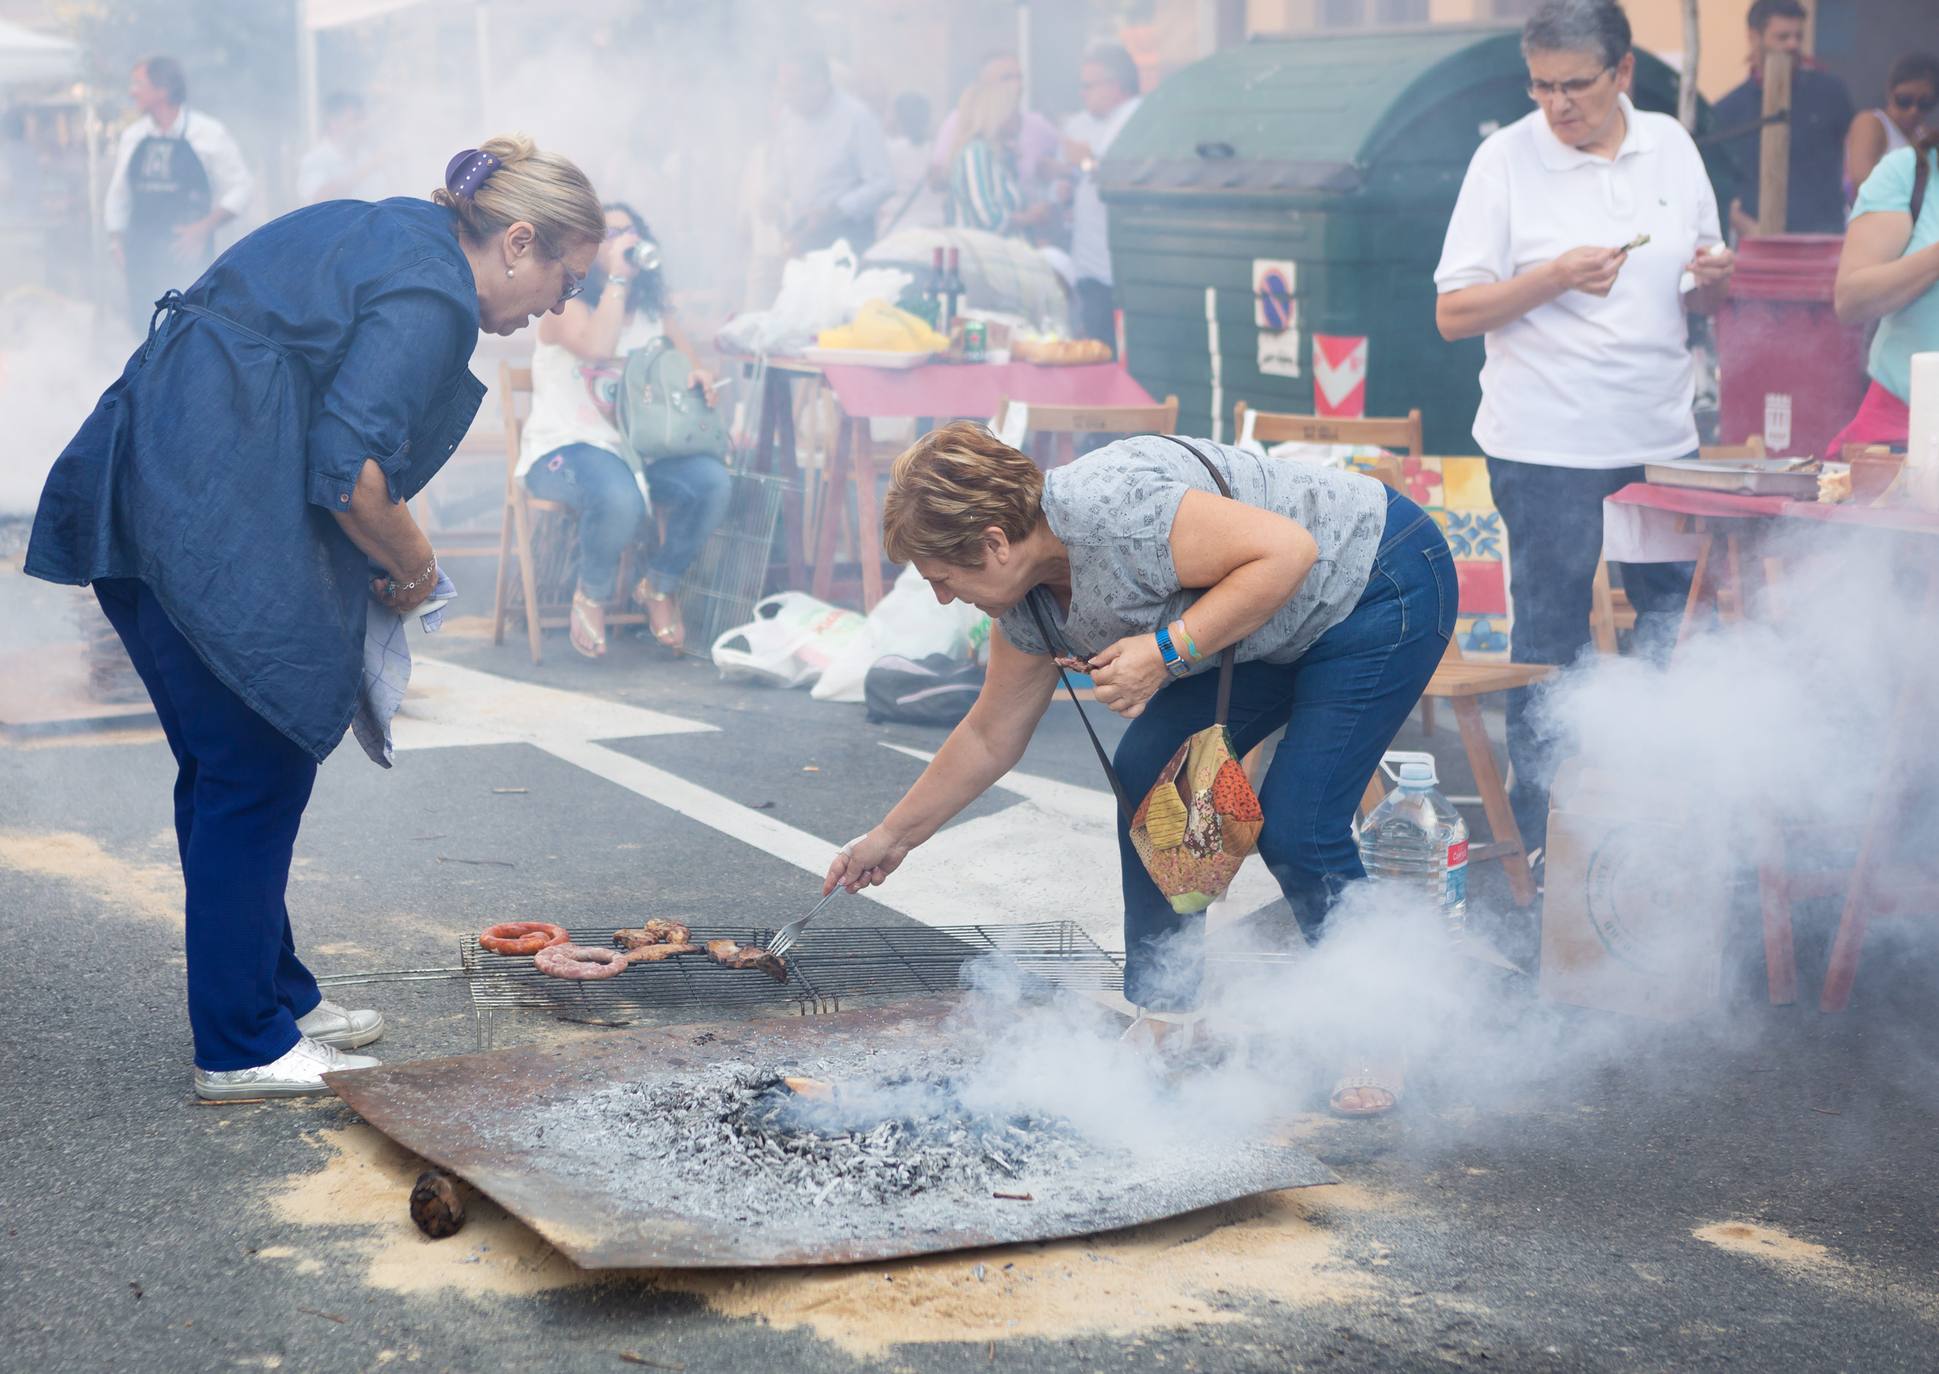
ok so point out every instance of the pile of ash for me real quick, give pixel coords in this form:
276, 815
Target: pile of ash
761, 1149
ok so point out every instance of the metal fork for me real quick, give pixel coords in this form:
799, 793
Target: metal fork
785, 937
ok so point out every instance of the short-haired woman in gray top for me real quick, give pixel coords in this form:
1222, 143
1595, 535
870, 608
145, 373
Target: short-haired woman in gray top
1339, 594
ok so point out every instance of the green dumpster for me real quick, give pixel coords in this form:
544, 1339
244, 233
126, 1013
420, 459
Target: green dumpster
1293, 187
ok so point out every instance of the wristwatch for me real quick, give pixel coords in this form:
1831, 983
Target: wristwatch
1174, 662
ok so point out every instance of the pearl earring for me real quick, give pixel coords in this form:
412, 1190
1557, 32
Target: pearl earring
508, 271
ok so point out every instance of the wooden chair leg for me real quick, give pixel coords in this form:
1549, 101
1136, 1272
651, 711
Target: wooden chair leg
528, 580
1506, 835
1427, 715
1374, 794
503, 592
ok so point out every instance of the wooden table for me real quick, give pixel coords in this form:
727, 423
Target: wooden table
1735, 561
933, 391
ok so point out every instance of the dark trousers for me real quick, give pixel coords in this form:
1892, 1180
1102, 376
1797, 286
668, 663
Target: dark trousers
1097, 311
1553, 517
240, 790
691, 491
1342, 702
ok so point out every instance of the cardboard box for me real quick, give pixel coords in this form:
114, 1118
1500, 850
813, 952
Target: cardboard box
1636, 900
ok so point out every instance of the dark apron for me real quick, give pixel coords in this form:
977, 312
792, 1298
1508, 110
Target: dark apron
167, 186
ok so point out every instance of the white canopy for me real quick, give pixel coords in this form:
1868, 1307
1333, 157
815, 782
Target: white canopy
26, 56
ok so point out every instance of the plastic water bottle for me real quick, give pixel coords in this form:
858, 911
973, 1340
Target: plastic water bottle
1416, 838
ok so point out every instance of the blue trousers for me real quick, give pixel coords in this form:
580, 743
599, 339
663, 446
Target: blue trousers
691, 491
1342, 702
240, 789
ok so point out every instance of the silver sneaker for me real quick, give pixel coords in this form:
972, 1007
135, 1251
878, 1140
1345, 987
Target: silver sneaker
330, 1024
297, 1074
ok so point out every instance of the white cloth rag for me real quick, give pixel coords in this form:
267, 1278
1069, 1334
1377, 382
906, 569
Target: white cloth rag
387, 668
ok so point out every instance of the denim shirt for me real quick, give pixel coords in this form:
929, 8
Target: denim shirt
211, 469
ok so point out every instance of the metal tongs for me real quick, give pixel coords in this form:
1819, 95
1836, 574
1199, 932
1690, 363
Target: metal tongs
784, 938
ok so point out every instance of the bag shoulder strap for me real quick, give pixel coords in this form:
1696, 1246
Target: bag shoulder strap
1228, 660
1922, 153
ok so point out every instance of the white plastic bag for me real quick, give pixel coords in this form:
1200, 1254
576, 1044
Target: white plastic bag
791, 640
819, 290
908, 621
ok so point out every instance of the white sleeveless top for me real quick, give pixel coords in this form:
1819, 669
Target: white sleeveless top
1895, 138
572, 399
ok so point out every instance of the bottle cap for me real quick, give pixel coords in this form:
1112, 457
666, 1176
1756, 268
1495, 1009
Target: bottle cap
1417, 777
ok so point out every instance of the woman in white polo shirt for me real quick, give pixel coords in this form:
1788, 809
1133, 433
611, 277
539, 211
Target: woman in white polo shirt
1577, 229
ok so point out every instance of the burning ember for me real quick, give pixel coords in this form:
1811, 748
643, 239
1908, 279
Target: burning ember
770, 1145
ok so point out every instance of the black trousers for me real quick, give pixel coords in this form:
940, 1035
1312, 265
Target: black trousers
1553, 517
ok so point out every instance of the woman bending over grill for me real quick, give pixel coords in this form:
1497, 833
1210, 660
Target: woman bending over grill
1339, 595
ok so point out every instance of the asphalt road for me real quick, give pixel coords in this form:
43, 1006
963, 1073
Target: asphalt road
1751, 1192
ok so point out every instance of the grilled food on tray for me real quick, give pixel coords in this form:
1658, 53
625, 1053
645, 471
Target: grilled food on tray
654, 954
728, 954
1063, 352
654, 932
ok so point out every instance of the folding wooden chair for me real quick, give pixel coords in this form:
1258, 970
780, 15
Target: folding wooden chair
1278, 427
539, 538
1064, 423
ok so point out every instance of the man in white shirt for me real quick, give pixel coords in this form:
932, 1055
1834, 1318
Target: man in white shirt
342, 164
1108, 82
1583, 233
178, 177
831, 173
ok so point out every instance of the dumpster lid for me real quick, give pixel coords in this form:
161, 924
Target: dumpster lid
1283, 115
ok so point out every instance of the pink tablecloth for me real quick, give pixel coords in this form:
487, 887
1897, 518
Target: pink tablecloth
949, 390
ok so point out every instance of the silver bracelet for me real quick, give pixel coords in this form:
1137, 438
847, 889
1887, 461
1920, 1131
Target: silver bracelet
392, 587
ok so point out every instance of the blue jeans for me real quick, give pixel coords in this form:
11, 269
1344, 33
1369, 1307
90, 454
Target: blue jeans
1553, 517
240, 789
1342, 702
691, 491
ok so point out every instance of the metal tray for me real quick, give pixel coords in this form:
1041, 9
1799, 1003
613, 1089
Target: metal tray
465, 1114
1796, 478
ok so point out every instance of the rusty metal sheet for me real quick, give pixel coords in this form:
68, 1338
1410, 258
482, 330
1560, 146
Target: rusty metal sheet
454, 1113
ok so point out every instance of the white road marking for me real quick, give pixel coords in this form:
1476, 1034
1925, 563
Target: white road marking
448, 705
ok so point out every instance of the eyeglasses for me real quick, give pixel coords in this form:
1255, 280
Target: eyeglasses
574, 284
1573, 88
1921, 103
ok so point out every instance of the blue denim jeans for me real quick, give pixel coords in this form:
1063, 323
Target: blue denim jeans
691, 491
1342, 702
240, 790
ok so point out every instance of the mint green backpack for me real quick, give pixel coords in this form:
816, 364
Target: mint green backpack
658, 414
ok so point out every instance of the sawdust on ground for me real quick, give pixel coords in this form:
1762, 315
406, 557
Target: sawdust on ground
150, 891
1763, 1242
1283, 1248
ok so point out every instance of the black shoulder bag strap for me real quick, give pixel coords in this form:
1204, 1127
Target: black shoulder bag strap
1228, 659
1922, 151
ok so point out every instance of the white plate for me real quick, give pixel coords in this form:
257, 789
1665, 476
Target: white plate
866, 357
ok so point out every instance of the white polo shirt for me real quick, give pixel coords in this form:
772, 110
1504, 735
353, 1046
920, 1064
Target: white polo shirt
1585, 382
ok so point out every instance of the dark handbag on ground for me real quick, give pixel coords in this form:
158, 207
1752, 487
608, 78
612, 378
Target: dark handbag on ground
658, 414
938, 689
1201, 818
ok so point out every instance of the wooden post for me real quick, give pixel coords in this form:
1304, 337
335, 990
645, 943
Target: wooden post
1774, 151
1686, 91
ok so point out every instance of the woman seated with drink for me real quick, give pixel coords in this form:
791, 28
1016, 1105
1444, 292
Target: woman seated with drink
571, 451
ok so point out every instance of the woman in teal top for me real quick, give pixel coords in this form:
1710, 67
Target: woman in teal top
1889, 272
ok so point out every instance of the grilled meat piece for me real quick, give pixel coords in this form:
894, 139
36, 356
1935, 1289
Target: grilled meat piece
655, 932
653, 954
728, 954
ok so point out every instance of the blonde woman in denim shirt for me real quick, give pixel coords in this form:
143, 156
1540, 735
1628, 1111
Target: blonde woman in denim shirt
229, 500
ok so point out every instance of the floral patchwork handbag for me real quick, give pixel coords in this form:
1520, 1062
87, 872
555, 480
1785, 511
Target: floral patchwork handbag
1201, 818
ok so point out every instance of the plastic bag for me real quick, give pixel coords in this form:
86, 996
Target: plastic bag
819, 290
791, 640
910, 622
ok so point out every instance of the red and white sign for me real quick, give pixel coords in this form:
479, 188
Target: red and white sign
1340, 375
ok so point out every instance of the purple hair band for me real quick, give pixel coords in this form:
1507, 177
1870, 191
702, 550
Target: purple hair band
466, 172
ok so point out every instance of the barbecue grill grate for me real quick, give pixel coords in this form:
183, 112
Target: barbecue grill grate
834, 967
728, 577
